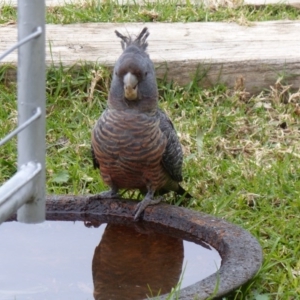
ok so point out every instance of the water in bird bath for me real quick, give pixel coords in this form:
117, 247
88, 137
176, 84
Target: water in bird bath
77, 260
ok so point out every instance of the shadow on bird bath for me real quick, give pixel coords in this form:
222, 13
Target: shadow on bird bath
135, 259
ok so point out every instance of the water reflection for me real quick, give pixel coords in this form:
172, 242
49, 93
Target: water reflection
59, 260
130, 264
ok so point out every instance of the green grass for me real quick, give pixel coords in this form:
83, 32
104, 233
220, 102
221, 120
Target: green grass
242, 153
162, 11
242, 158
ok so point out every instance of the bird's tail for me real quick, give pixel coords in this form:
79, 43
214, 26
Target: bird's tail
181, 191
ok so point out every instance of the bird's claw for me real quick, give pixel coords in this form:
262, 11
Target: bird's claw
142, 205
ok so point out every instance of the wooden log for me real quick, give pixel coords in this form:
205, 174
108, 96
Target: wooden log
295, 3
221, 52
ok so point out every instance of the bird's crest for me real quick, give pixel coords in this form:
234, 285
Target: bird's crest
140, 41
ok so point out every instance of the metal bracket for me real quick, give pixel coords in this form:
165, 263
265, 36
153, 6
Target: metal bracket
37, 114
22, 42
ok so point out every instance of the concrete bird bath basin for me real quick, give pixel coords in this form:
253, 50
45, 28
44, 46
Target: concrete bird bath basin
241, 253
166, 226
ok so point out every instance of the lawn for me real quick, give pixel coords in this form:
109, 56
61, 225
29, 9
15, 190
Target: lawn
241, 151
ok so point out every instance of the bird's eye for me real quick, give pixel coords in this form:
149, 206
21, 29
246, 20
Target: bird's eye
116, 73
146, 73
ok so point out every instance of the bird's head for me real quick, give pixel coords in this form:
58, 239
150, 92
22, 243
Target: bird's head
134, 82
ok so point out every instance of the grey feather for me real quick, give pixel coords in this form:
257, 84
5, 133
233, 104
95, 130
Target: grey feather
140, 41
95, 161
173, 157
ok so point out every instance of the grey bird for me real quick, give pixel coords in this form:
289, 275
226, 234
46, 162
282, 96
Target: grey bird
134, 143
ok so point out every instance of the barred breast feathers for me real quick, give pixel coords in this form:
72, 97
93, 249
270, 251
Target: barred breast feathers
121, 134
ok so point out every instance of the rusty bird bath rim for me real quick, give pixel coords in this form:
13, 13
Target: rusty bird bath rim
240, 251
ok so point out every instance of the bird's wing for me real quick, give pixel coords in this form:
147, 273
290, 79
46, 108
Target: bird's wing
95, 161
172, 157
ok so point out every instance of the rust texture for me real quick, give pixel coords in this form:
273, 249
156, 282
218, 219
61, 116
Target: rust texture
240, 251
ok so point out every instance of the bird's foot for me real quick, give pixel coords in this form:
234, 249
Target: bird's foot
142, 205
106, 195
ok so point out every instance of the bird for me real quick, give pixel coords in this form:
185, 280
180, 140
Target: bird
134, 143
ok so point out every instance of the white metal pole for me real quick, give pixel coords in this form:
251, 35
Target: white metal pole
31, 95
18, 189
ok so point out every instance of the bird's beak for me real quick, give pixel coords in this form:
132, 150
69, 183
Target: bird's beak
130, 86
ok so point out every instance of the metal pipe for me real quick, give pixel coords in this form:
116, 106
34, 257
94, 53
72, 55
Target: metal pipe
21, 127
18, 190
22, 42
31, 94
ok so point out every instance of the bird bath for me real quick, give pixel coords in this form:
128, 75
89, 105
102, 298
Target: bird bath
139, 257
